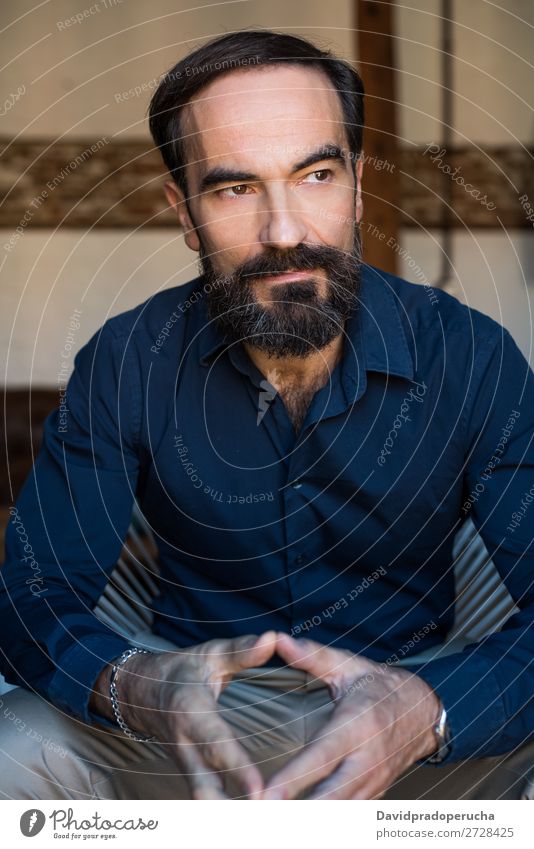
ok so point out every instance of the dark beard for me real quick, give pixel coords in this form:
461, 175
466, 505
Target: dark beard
297, 321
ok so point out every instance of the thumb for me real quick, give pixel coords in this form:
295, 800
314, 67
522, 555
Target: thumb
320, 661
249, 651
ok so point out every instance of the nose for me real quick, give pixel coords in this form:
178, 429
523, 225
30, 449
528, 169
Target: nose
283, 224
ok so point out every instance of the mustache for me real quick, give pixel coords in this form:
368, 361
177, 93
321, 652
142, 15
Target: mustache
301, 258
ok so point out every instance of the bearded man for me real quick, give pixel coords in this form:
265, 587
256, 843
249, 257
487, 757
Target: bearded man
302, 432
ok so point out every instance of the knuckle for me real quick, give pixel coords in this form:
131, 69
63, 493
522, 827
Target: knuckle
183, 702
212, 754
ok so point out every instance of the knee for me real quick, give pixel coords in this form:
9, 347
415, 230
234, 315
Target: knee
31, 742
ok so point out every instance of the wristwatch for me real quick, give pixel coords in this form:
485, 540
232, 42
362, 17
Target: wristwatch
443, 738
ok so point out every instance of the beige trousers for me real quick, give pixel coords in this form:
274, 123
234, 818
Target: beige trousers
45, 754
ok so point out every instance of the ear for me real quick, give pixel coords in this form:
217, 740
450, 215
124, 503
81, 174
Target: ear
358, 207
176, 200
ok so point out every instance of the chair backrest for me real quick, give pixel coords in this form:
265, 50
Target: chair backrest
483, 603
126, 602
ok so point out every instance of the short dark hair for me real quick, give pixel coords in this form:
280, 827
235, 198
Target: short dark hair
239, 51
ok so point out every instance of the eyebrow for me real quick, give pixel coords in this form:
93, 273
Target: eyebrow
220, 174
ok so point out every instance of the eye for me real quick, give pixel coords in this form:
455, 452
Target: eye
321, 176
229, 190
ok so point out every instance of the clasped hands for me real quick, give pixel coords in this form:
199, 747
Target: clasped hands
381, 722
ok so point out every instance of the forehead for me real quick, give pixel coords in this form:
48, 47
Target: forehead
263, 116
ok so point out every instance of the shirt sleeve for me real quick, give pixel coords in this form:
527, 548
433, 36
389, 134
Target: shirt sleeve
66, 531
488, 688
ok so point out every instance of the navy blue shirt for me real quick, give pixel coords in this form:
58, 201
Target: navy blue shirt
342, 532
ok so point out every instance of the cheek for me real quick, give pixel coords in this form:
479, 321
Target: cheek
234, 231
335, 221
227, 250
338, 234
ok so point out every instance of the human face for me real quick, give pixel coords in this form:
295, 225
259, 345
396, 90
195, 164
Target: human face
272, 189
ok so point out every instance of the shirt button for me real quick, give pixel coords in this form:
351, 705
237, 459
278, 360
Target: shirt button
296, 484
299, 559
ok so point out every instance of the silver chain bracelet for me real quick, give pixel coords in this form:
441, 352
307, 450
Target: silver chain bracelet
114, 697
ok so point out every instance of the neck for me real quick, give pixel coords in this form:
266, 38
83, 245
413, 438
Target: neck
285, 372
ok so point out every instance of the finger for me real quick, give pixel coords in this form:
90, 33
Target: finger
319, 660
228, 757
220, 749
346, 783
339, 785
246, 652
196, 718
370, 794
203, 782
314, 762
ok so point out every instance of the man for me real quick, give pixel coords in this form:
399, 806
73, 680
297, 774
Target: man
303, 434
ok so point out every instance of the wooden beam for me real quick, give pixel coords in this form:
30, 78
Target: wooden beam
375, 52
121, 185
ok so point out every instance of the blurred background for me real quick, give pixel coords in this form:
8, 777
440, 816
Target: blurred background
85, 232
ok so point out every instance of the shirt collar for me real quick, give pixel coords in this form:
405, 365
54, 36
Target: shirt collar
374, 331
384, 339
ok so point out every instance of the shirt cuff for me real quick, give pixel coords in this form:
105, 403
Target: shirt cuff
471, 695
77, 670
